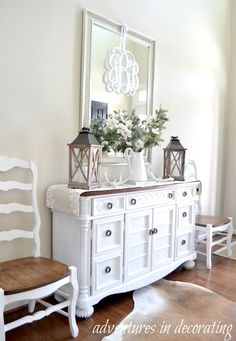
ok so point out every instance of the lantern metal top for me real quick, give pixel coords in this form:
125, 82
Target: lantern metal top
174, 144
85, 137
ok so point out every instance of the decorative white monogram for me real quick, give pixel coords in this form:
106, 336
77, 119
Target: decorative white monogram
121, 75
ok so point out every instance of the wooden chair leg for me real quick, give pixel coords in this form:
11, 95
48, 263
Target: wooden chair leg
2, 332
209, 246
73, 297
229, 239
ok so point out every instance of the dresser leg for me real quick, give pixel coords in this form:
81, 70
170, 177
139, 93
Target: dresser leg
189, 264
84, 313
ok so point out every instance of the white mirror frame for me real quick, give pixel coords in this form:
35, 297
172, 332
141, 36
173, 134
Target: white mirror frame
89, 19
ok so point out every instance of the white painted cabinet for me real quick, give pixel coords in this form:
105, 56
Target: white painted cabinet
122, 239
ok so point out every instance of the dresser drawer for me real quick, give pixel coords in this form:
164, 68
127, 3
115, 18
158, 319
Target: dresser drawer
185, 216
107, 234
184, 244
147, 199
106, 205
106, 272
185, 193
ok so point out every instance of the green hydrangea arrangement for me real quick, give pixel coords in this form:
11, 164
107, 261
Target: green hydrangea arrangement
122, 130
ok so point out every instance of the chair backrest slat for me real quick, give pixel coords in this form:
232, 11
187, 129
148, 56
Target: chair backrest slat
6, 164
14, 234
8, 185
15, 207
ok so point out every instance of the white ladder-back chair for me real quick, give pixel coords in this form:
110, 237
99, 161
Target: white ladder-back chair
31, 278
210, 230
215, 231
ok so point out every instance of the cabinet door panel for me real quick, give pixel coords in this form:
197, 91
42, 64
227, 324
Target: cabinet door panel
138, 237
163, 240
162, 256
137, 244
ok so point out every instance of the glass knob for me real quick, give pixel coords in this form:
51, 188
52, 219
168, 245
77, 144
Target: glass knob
108, 233
108, 269
109, 205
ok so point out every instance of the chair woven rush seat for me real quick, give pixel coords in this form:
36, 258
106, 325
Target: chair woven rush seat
204, 220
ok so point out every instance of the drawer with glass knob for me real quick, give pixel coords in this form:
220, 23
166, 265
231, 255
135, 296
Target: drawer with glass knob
107, 234
147, 199
106, 272
107, 205
185, 193
184, 244
185, 216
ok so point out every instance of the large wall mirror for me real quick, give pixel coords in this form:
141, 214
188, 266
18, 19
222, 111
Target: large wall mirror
100, 35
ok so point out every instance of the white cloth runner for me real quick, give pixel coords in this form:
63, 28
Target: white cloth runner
63, 199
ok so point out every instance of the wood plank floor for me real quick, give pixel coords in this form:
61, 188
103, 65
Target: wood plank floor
221, 279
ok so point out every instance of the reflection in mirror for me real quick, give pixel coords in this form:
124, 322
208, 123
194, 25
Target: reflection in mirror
99, 36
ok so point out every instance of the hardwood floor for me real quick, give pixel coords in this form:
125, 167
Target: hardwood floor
221, 279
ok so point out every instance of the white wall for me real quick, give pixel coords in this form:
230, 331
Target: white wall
39, 81
230, 166
39, 87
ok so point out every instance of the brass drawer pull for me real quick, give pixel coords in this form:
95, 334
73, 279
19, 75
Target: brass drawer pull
108, 269
109, 206
108, 233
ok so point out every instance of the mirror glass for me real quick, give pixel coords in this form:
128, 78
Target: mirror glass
99, 36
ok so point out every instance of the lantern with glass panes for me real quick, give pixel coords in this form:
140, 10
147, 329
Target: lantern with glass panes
84, 161
174, 159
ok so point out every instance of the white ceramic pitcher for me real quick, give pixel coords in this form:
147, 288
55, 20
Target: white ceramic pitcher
136, 165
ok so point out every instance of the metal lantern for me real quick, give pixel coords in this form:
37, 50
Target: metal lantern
84, 161
174, 159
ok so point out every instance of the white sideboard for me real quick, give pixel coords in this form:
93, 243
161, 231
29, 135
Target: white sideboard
124, 238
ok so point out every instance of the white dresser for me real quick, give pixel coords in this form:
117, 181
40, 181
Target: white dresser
124, 238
